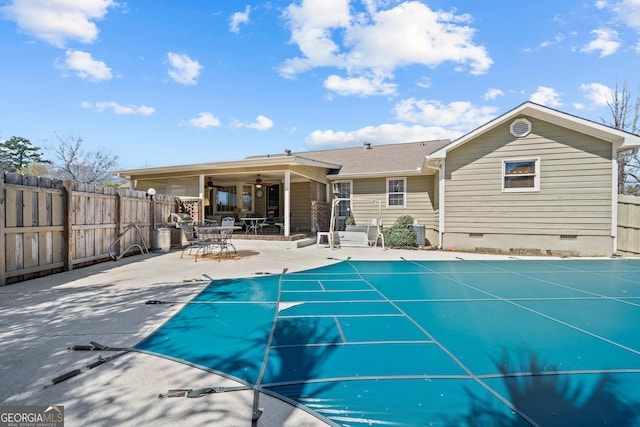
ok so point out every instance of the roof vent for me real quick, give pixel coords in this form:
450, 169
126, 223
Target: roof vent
287, 152
367, 145
520, 128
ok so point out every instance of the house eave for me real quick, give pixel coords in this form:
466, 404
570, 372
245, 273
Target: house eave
204, 168
381, 174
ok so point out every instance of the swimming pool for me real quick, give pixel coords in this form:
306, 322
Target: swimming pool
508, 343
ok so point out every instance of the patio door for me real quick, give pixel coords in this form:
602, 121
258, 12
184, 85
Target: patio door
344, 207
273, 200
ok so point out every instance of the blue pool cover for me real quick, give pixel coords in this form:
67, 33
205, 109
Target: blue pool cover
421, 343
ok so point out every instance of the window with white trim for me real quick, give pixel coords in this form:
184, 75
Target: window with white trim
344, 192
396, 192
226, 199
520, 175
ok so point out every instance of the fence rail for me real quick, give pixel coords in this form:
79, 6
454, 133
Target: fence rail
48, 226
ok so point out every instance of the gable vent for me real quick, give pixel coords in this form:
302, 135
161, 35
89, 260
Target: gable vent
520, 128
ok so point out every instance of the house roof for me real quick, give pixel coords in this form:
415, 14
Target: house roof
376, 160
621, 139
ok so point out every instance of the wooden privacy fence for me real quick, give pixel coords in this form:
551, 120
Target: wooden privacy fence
48, 226
628, 225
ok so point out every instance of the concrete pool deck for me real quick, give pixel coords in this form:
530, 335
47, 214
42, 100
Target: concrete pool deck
41, 318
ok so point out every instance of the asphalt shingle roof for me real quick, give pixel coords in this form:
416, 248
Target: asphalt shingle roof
388, 159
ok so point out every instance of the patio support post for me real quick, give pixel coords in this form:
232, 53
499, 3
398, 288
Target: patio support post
287, 203
441, 204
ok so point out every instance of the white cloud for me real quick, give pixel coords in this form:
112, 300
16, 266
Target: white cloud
204, 121
376, 42
358, 86
546, 96
239, 18
606, 42
432, 120
492, 94
84, 66
462, 116
556, 40
183, 69
262, 123
395, 133
628, 11
601, 4
59, 21
100, 107
597, 94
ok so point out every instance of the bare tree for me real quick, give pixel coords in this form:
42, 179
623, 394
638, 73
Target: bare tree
625, 115
72, 162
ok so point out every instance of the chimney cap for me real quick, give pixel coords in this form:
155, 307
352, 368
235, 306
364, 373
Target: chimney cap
367, 145
287, 151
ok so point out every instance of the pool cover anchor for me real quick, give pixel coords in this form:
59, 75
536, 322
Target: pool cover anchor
101, 360
98, 347
257, 412
191, 393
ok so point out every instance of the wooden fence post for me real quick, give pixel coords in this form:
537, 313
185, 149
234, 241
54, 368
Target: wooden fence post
3, 252
119, 219
153, 214
67, 208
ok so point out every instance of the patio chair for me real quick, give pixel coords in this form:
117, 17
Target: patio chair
374, 233
193, 240
223, 239
321, 234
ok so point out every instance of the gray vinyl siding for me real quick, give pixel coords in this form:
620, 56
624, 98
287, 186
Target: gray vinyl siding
300, 206
575, 184
419, 200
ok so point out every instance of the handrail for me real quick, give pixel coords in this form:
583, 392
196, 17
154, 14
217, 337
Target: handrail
143, 249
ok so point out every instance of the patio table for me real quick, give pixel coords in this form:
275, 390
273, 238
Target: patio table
253, 224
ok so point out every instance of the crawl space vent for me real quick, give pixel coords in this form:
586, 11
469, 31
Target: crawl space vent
520, 128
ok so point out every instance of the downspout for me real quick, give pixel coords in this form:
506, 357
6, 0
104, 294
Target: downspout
438, 165
614, 198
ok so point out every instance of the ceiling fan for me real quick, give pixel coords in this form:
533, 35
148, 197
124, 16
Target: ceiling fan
259, 183
211, 185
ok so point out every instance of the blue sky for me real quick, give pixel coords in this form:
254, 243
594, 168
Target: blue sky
161, 83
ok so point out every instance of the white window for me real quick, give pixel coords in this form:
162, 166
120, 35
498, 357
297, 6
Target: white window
519, 175
226, 199
343, 189
396, 192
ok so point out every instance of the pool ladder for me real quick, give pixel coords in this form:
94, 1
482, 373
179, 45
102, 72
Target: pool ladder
144, 249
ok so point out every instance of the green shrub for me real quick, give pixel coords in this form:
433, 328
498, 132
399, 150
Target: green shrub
401, 234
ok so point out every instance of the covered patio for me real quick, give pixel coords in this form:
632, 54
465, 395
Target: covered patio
285, 194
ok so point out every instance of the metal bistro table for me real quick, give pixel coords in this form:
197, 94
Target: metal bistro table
218, 236
253, 224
